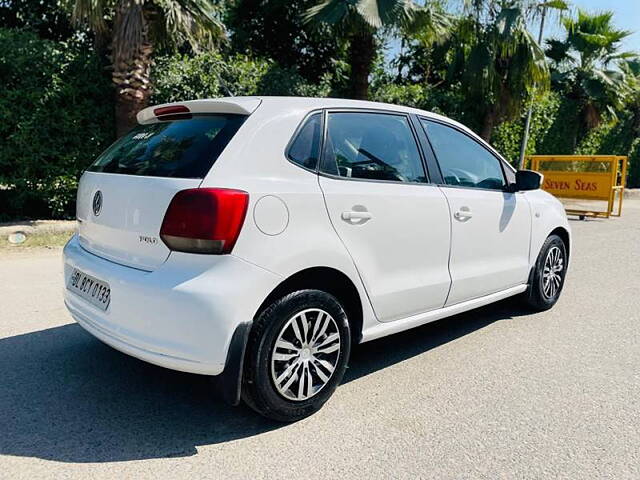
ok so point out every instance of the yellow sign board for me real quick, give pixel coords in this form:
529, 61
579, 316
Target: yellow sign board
588, 177
595, 186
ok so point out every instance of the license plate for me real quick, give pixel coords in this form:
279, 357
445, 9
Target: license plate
90, 288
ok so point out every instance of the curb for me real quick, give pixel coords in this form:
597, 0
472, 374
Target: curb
31, 227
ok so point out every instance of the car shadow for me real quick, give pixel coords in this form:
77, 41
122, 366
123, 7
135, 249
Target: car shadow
379, 354
586, 219
65, 396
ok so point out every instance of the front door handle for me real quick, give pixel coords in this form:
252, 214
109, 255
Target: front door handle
463, 214
355, 216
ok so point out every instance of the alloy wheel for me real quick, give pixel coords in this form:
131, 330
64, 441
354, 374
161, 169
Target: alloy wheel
552, 272
305, 354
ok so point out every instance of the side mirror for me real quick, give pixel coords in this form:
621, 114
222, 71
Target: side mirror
528, 180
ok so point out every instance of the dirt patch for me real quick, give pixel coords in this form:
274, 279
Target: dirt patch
35, 241
34, 234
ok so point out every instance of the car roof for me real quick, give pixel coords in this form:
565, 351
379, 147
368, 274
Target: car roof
247, 105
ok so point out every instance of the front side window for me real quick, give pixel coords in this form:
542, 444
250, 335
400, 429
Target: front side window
372, 146
463, 161
184, 148
305, 148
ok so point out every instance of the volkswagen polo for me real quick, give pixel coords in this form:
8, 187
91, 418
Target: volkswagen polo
255, 240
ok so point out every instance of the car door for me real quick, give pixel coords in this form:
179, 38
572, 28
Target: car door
490, 227
394, 224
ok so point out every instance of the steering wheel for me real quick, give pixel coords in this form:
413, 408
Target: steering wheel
372, 159
450, 174
459, 175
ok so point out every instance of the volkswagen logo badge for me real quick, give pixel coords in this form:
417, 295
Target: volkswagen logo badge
97, 203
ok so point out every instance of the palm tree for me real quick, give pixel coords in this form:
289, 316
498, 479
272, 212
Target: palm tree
496, 60
359, 21
583, 68
133, 29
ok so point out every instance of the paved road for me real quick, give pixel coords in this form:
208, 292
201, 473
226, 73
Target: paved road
494, 393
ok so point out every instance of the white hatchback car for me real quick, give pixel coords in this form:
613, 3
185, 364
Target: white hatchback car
256, 239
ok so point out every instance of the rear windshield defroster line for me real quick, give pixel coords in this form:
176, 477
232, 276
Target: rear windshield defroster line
185, 148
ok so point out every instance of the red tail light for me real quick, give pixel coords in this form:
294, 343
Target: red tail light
172, 112
204, 220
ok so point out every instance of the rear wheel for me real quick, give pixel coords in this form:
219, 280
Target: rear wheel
296, 356
547, 279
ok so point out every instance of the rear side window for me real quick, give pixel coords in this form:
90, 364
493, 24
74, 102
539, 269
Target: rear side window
185, 148
463, 161
305, 148
372, 146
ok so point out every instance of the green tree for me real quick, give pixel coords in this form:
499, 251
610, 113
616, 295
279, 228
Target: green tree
134, 29
496, 60
275, 29
631, 70
360, 21
48, 18
583, 69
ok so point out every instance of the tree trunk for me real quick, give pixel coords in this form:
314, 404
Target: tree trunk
488, 123
582, 128
362, 52
131, 65
126, 108
573, 140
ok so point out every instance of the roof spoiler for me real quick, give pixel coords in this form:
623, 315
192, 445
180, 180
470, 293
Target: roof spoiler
235, 105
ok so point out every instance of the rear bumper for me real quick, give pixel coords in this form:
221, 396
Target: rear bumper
181, 316
125, 345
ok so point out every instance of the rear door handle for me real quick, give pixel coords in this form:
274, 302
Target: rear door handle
355, 216
463, 214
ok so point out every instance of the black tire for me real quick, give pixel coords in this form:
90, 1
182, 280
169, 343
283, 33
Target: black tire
539, 296
259, 389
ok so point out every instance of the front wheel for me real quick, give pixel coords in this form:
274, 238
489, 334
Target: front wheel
296, 355
547, 279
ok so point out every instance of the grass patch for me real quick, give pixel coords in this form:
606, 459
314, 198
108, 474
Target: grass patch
37, 240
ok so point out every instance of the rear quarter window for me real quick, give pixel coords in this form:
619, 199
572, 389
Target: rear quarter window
305, 147
184, 148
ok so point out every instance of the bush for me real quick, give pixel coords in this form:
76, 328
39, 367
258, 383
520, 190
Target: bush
507, 137
416, 95
447, 102
633, 178
57, 116
553, 132
210, 75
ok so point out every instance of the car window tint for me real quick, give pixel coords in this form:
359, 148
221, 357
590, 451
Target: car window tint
180, 148
372, 146
305, 149
463, 161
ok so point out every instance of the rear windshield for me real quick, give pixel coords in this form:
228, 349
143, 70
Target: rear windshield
185, 148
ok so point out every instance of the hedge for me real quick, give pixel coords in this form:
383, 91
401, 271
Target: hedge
56, 116
210, 75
